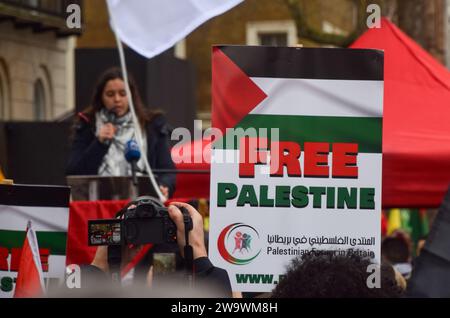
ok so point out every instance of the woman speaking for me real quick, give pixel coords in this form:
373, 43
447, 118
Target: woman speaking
103, 129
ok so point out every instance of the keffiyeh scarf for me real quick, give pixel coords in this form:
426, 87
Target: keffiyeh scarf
114, 162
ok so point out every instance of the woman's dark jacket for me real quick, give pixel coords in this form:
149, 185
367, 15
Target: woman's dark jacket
87, 151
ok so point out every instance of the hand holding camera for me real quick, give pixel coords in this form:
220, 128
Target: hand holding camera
146, 220
143, 221
196, 235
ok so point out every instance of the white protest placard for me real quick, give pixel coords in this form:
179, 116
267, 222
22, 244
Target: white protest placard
299, 166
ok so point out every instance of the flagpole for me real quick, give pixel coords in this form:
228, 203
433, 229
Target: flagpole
162, 198
121, 12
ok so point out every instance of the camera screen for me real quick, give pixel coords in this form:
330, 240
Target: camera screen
104, 232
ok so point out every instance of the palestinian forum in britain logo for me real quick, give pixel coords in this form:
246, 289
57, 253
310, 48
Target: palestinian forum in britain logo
237, 243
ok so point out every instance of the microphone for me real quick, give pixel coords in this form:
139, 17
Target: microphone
111, 117
132, 155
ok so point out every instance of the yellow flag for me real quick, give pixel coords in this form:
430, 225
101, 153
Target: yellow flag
394, 221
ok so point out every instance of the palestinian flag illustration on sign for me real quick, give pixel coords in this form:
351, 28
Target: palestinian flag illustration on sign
326, 105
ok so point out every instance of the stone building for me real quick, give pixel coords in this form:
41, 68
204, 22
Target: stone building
36, 59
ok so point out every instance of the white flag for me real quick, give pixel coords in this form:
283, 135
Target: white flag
152, 26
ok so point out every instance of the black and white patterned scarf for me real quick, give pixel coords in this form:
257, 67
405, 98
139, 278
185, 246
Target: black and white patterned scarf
114, 162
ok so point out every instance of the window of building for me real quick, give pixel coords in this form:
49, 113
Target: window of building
42, 95
273, 33
273, 39
39, 101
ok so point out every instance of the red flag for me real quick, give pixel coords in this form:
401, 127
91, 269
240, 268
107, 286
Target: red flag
30, 281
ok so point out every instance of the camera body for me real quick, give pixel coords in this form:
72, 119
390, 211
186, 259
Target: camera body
148, 221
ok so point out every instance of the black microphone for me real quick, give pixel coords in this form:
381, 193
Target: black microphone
110, 119
133, 154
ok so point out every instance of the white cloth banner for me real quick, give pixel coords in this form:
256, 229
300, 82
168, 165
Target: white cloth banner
152, 26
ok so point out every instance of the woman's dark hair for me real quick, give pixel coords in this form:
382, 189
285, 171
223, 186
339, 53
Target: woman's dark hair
144, 115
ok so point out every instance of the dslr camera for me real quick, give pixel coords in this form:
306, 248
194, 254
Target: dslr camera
147, 222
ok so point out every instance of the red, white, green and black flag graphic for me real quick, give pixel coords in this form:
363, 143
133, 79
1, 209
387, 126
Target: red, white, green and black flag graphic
47, 207
297, 160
